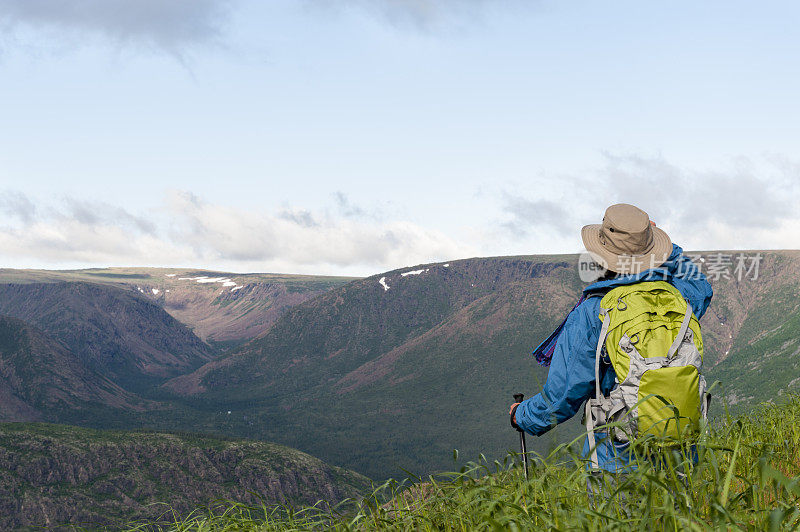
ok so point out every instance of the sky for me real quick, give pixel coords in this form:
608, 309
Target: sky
351, 137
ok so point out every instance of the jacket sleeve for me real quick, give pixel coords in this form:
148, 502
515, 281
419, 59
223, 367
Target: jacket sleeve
571, 378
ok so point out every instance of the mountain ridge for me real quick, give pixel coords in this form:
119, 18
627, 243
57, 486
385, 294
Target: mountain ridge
222, 308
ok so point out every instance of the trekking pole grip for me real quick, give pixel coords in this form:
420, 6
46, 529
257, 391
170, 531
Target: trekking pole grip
523, 449
518, 397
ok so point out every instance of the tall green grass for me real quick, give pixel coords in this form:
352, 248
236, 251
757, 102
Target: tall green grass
745, 478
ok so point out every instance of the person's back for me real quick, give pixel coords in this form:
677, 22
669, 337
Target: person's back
660, 281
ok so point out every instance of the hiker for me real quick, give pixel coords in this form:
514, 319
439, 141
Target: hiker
642, 267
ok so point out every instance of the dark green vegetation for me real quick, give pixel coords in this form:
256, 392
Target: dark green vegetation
54, 474
746, 478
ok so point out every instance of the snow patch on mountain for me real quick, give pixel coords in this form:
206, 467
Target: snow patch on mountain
204, 279
383, 284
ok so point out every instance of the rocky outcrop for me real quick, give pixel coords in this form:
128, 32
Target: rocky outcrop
54, 475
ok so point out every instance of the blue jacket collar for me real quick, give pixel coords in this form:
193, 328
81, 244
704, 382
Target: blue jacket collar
672, 268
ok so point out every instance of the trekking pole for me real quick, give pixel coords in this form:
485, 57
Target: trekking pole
518, 397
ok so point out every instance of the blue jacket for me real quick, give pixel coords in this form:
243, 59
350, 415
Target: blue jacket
570, 381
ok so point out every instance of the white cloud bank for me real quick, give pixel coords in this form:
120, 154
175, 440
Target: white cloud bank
187, 231
746, 205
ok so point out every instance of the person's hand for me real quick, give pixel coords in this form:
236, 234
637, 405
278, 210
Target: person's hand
512, 413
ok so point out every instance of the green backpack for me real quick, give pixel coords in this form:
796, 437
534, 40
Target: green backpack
653, 341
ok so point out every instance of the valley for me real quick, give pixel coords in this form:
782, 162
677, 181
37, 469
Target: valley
384, 375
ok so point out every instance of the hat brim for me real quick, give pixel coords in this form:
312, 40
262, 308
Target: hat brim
626, 264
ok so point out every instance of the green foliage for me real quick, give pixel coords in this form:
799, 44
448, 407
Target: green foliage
745, 478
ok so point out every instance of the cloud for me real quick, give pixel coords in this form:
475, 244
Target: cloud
189, 231
346, 207
17, 205
218, 233
301, 217
526, 214
747, 203
93, 214
166, 25
746, 195
418, 14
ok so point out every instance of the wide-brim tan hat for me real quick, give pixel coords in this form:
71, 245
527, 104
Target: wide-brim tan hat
627, 241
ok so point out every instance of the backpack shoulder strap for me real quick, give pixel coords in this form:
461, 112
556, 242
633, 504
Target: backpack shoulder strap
687, 317
598, 394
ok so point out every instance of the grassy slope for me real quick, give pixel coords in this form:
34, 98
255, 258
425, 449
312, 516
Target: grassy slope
57, 474
746, 478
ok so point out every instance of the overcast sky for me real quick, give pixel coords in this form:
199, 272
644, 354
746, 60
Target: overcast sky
357, 136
